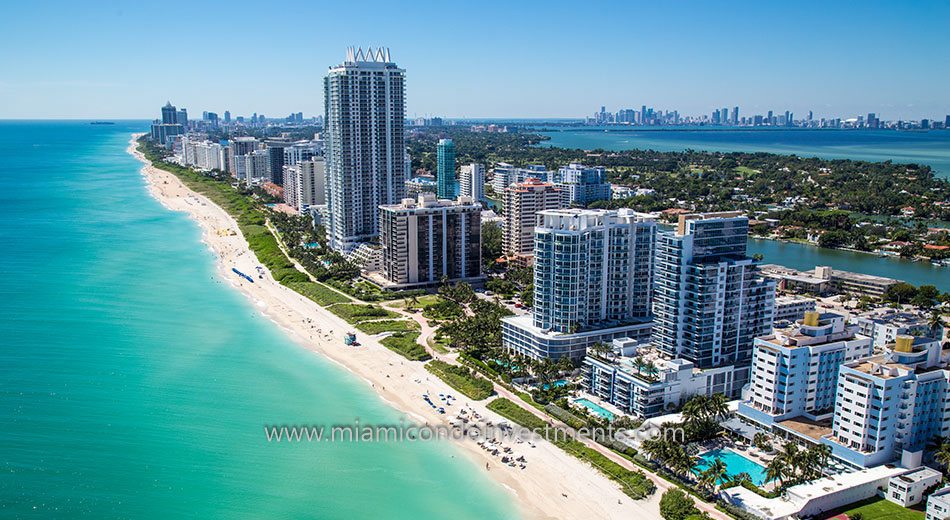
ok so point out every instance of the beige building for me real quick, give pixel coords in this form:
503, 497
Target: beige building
425, 239
523, 201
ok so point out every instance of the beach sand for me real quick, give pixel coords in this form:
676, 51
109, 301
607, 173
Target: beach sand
553, 485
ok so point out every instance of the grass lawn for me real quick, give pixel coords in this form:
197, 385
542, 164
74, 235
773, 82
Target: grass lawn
375, 327
404, 343
355, 313
319, 293
880, 509
463, 379
745, 170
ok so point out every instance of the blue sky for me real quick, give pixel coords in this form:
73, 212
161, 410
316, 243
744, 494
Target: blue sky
478, 59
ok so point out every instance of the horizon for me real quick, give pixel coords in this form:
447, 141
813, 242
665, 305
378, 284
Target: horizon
459, 60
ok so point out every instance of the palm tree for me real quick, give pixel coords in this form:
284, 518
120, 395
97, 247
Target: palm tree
936, 323
742, 477
650, 368
715, 473
717, 406
638, 364
942, 455
776, 470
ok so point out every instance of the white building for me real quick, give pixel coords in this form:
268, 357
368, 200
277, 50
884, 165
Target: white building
365, 144
884, 325
938, 504
472, 181
795, 371
790, 308
593, 272
504, 174
908, 489
305, 184
580, 185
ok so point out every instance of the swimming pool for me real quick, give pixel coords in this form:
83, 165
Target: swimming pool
735, 464
557, 384
596, 408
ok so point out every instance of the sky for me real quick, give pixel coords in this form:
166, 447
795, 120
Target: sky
478, 59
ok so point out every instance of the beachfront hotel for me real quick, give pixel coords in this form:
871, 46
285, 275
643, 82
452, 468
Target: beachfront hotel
795, 370
819, 382
710, 302
523, 202
365, 144
890, 406
592, 279
426, 239
580, 185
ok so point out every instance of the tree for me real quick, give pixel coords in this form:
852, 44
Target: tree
942, 455
937, 323
900, 293
776, 470
712, 475
676, 505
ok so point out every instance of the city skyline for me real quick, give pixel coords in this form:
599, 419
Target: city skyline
685, 62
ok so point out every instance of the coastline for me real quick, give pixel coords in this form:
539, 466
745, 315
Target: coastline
554, 484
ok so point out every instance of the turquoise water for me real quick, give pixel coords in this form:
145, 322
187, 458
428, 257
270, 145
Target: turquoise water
735, 464
924, 147
596, 408
135, 384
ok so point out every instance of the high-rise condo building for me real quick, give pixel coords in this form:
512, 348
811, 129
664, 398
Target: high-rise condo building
735, 116
426, 239
580, 185
472, 181
523, 202
592, 279
505, 174
710, 301
365, 144
169, 114
237, 147
448, 187
305, 184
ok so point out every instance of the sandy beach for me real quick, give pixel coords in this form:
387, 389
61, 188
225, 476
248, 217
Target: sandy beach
552, 485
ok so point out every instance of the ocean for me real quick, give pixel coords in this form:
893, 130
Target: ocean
135, 383
924, 147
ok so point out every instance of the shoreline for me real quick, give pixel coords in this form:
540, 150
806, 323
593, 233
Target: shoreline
554, 484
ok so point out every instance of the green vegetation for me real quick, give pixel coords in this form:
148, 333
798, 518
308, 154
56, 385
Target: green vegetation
635, 484
357, 312
319, 293
376, 327
463, 379
879, 509
238, 203
405, 344
677, 505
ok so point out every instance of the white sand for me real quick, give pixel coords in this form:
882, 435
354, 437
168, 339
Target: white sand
538, 490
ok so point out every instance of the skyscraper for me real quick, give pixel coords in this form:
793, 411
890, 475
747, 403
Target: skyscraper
448, 187
472, 181
580, 185
365, 144
592, 279
710, 301
735, 116
425, 239
169, 114
523, 201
